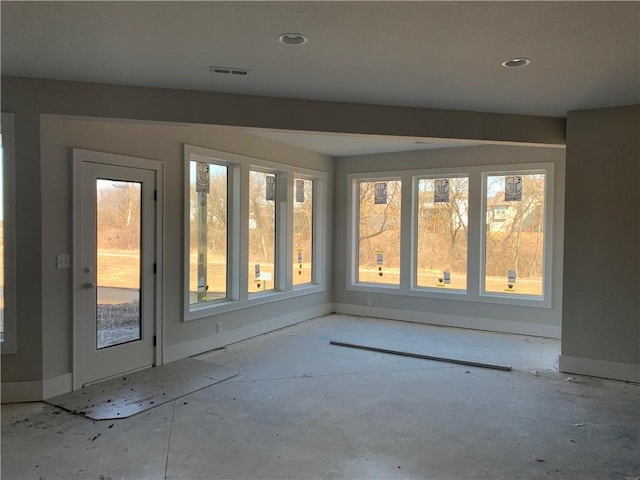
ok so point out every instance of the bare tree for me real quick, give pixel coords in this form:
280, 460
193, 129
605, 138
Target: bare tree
442, 226
379, 224
118, 214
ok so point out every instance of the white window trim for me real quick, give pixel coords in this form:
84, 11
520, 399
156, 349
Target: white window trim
476, 235
238, 297
318, 229
547, 276
353, 232
10, 343
415, 179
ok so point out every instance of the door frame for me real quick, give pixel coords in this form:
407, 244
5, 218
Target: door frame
81, 156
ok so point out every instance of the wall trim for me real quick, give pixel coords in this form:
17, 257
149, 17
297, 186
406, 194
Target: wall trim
476, 323
52, 387
14, 392
628, 372
36, 390
195, 347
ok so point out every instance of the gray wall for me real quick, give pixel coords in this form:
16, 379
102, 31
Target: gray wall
601, 314
158, 142
431, 308
43, 202
600, 317
26, 364
140, 103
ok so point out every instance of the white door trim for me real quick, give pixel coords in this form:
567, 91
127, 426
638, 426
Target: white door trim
80, 156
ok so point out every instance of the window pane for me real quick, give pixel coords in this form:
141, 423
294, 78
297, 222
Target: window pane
207, 232
379, 232
262, 231
302, 231
2, 243
441, 256
514, 253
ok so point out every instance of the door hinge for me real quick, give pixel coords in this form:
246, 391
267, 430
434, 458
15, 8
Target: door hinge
155, 341
155, 195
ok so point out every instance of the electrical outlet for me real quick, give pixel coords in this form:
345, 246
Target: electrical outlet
63, 260
219, 327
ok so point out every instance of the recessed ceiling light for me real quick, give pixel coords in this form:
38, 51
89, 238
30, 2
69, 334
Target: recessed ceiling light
292, 39
516, 62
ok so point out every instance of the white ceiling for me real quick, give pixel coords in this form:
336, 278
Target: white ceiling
425, 54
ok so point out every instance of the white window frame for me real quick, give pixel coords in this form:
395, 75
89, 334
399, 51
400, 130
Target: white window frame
10, 342
238, 297
435, 174
280, 244
524, 169
232, 254
353, 216
476, 234
317, 228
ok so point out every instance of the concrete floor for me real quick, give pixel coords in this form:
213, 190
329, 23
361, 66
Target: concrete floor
302, 408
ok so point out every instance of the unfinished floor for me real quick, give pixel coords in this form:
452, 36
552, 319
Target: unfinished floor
301, 408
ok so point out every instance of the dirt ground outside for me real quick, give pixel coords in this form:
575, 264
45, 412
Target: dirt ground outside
120, 269
431, 279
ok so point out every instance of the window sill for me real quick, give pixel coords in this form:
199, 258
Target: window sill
224, 306
454, 295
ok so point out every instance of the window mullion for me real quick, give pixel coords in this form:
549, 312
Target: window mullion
233, 232
475, 249
241, 231
284, 225
319, 229
407, 233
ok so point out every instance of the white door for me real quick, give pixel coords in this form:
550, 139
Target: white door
114, 267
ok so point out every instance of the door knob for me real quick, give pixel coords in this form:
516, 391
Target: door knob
89, 285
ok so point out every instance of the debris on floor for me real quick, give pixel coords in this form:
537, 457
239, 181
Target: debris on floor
126, 396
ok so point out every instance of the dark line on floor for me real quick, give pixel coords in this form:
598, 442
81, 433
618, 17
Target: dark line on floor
455, 361
166, 463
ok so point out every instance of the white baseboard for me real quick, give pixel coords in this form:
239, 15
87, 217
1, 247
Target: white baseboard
492, 325
14, 392
629, 372
52, 387
195, 347
35, 391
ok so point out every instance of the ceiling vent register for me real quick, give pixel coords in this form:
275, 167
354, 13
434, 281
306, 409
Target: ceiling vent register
229, 70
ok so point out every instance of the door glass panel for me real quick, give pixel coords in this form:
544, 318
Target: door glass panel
118, 227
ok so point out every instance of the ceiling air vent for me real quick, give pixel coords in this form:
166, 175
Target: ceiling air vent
229, 70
